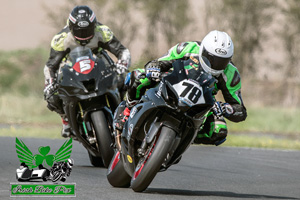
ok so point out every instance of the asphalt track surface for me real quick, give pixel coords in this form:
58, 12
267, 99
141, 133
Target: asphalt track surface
205, 172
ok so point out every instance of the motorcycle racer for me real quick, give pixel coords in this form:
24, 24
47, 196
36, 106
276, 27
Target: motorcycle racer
82, 29
218, 48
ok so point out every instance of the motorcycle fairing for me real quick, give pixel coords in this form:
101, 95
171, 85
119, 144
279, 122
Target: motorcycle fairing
98, 81
164, 101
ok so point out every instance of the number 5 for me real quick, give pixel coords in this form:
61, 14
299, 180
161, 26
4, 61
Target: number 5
85, 65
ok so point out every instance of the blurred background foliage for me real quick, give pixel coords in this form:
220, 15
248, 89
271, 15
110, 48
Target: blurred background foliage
267, 53
21, 71
257, 27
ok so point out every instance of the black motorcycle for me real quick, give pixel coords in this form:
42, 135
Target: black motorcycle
162, 126
89, 93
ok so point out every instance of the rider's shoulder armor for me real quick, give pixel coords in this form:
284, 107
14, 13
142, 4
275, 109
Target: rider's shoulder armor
57, 42
104, 32
64, 39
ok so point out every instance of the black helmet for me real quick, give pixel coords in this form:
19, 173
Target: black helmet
82, 22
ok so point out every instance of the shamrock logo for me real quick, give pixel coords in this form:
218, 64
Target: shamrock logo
39, 159
32, 161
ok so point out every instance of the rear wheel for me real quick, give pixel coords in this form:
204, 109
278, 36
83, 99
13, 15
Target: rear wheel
95, 161
149, 165
104, 139
116, 174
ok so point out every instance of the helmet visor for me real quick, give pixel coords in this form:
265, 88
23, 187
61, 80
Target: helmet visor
217, 63
83, 33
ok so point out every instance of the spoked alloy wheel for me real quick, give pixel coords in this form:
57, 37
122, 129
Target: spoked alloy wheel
150, 164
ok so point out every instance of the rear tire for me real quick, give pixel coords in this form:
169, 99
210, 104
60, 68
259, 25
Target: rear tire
104, 138
116, 174
95, 161
148, 168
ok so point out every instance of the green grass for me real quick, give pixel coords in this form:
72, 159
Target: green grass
21, 71
33, 131
27, 116
20, 109
284, 121
262, 141
266, 127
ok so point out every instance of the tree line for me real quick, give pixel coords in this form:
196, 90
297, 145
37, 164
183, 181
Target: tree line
265, 32
169, 21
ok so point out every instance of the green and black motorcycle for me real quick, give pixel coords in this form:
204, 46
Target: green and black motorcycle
161, 126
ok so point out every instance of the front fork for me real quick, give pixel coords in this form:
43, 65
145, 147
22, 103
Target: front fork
117, 135
93, 139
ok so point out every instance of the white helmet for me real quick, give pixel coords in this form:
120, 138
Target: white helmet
217, 47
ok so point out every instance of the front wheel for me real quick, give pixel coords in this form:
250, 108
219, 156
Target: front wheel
103, 136
116, 174
149, 165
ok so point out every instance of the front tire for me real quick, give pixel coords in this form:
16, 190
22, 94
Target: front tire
104, 139
116, 174
149, 165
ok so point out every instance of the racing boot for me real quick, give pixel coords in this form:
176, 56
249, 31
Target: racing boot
66, 129
214, 131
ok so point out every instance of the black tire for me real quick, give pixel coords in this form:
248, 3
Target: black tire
150, 166
95, 161
103, 136
116, 174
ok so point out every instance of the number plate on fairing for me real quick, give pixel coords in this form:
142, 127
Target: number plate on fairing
189, 92
84, 66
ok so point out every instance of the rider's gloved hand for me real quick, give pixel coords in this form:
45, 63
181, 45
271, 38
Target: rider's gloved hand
153, 70
227, 109
121, 67
50, 88
224, 109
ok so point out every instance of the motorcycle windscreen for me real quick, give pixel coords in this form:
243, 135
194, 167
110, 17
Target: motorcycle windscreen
80, 53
